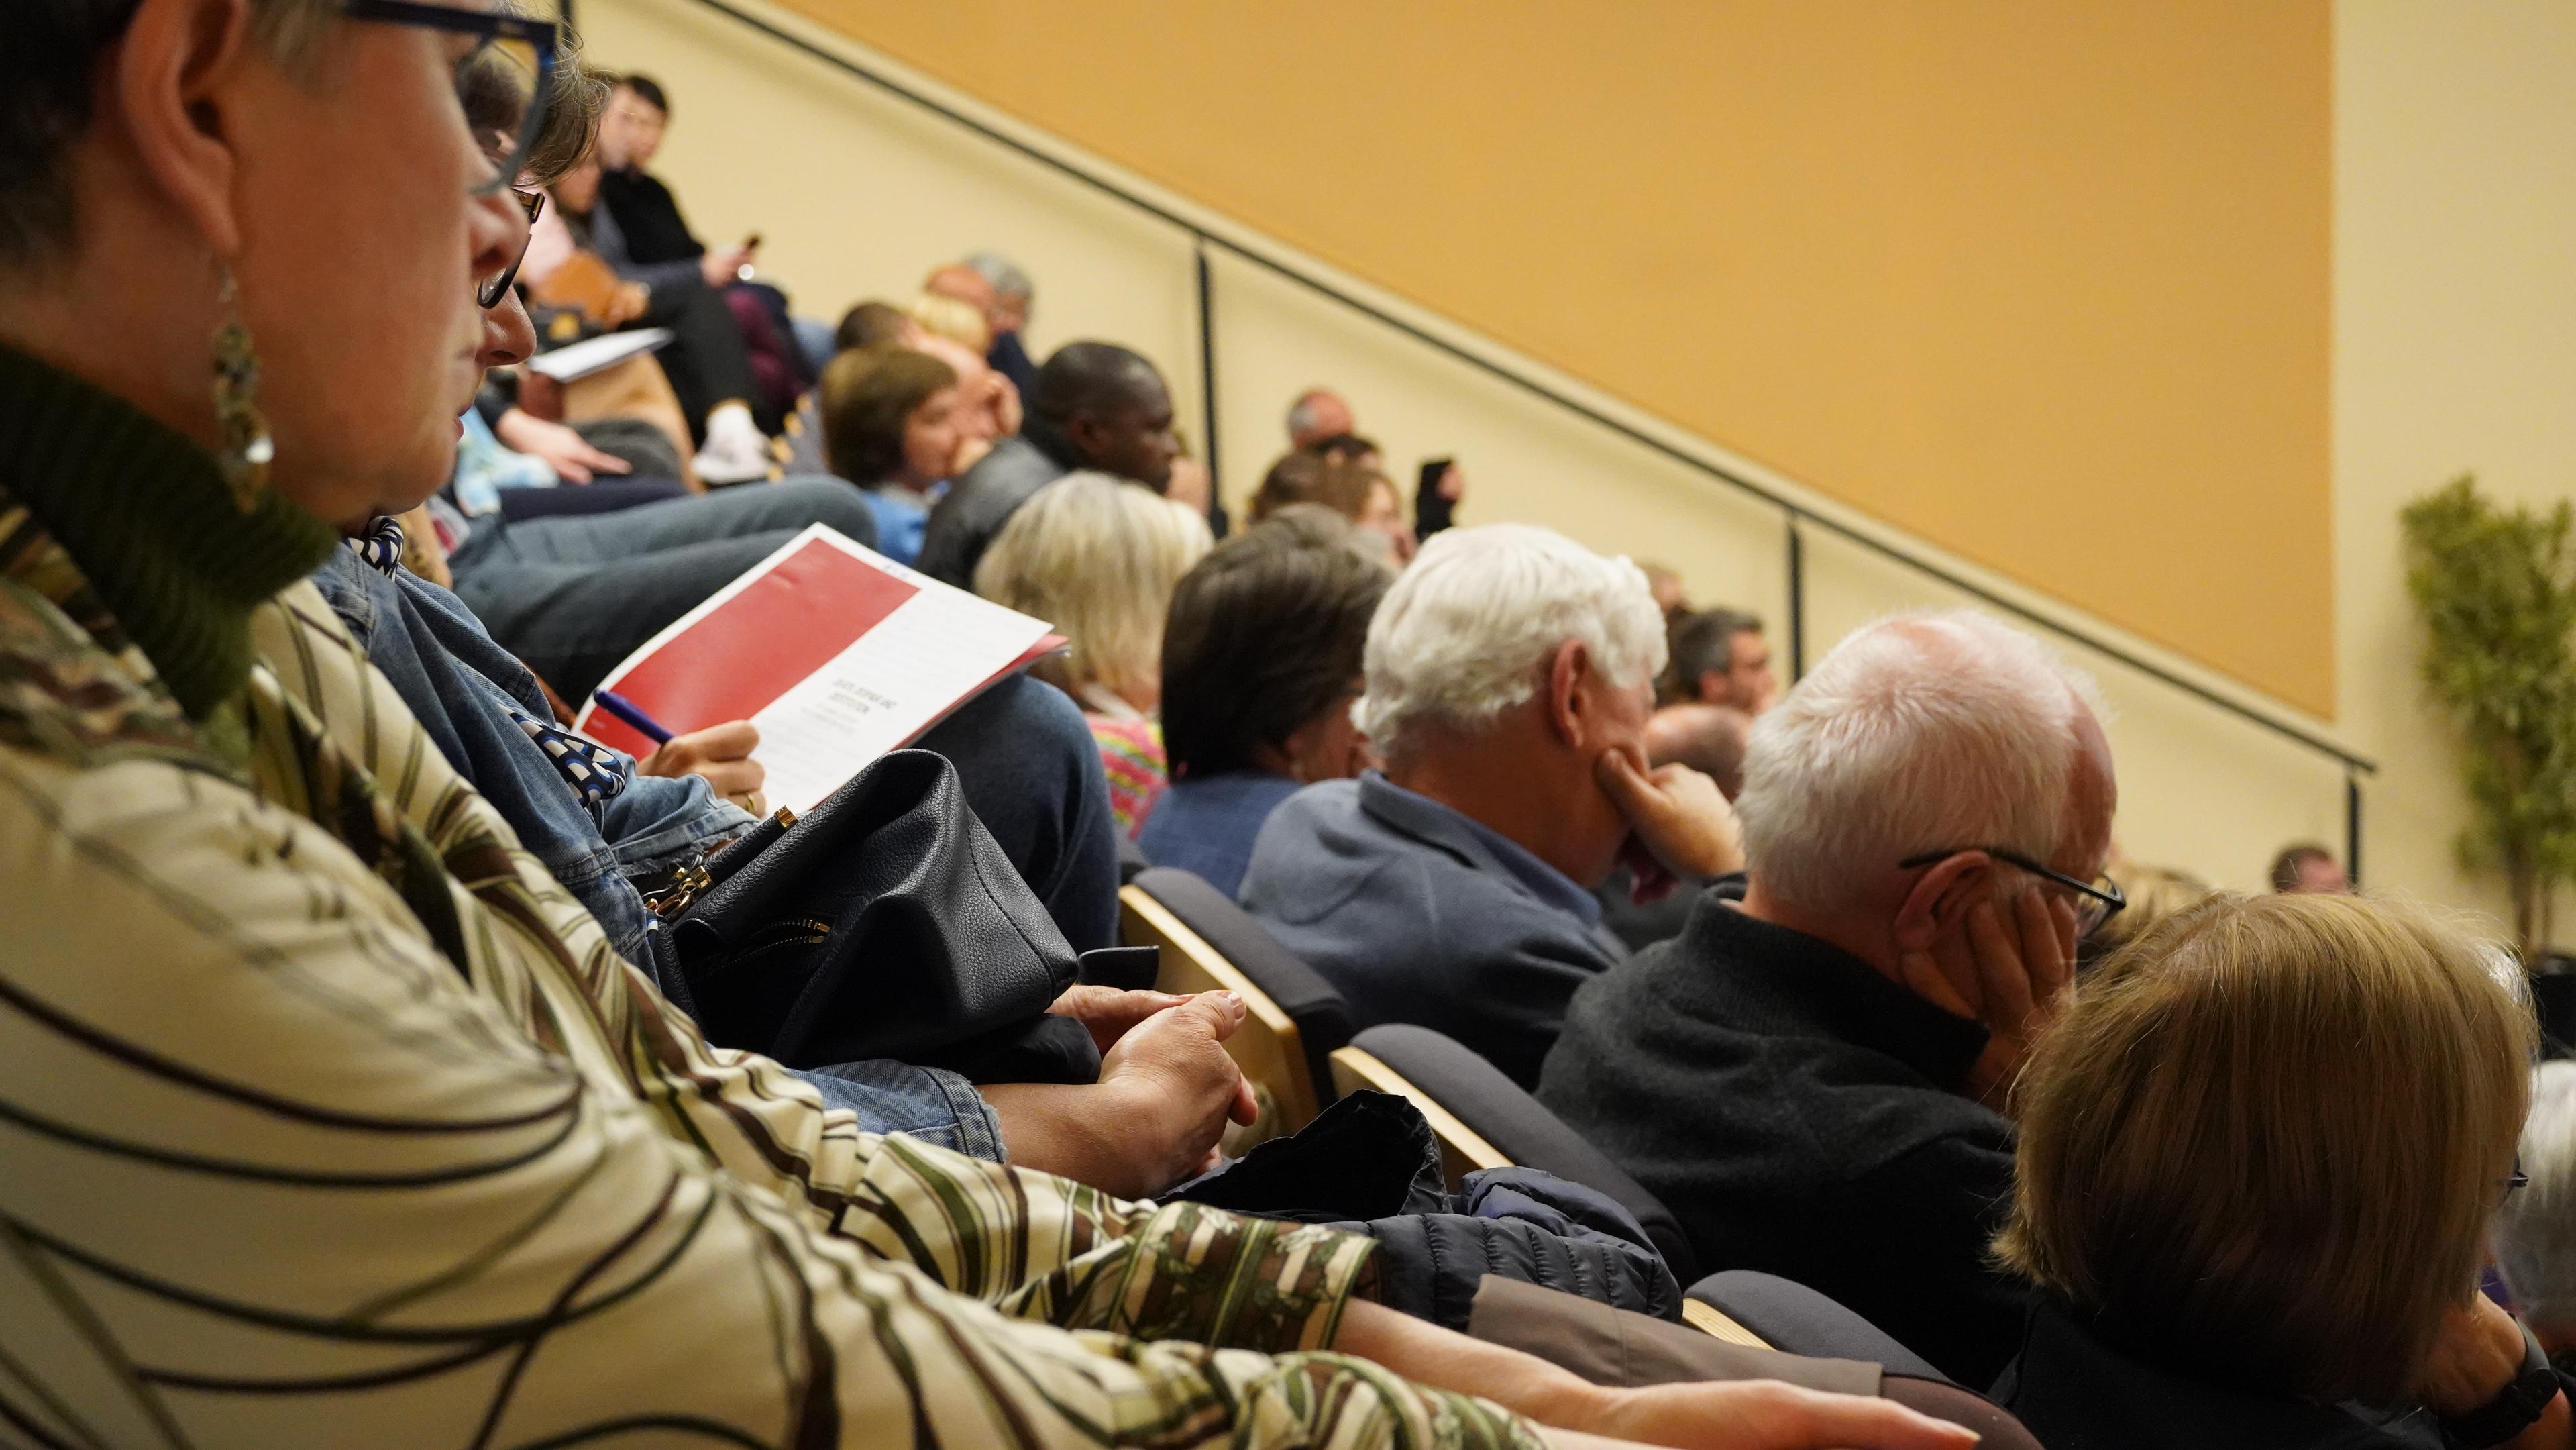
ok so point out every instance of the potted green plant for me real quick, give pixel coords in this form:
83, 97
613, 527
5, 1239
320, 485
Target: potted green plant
2496, 589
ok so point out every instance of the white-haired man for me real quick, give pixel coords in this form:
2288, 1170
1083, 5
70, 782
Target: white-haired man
1811, 1081
1508, 677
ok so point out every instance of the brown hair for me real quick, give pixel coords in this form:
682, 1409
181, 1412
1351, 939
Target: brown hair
1265, 634
866, 396
1309, 477
2263, 1143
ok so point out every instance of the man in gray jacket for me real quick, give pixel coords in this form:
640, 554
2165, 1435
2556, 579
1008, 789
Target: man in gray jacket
1509, 676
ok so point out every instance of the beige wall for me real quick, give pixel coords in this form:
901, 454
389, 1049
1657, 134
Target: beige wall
2456, 311
2455, 348
2046, 283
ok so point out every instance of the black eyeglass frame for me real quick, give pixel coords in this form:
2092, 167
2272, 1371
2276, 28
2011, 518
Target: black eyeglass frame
2108, 899
490, 293
546, 37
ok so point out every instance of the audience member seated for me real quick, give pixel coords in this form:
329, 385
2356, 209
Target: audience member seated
302, 1033
1348, 485
2257, 1160
2535, 1231
1508, 679
1318, 414
1096, 406
1304, 477
1014, 299
2308, 869
577, 260
631, 127
1098, 559
1720, 658
606, 826
889, 426
1709, 739
1261, 665
648, 217
1812, 1080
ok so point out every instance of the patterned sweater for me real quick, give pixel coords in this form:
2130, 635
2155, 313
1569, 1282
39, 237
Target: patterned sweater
327, 1118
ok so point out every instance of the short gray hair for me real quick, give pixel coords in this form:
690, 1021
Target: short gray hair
1461, 636
2535, 1231
1922, 732
1005, 275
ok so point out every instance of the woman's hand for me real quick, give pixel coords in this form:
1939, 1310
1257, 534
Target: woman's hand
721, 753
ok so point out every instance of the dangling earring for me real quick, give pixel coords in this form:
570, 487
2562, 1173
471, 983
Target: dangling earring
247, 448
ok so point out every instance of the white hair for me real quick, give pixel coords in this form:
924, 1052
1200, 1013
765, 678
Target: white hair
1004, 275
2535, 1231
1923, 732
1462, 635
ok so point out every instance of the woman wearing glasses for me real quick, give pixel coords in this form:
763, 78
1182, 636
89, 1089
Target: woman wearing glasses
325, 1118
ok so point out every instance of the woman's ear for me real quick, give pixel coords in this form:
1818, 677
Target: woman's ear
1940, 898
170, 91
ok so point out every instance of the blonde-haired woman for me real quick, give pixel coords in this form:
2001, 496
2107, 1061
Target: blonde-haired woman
2257, 1160
1098, 558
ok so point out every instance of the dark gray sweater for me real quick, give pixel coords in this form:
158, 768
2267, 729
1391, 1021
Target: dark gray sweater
1798, 1113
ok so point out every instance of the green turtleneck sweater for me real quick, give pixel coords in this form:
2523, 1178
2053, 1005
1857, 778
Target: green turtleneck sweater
146, 517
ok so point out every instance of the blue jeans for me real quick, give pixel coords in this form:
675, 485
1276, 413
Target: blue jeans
574, 596
929, 1103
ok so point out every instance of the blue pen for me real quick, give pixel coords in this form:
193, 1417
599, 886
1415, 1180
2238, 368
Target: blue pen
633, 714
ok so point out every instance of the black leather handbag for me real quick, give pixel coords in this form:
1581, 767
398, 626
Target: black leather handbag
884, 923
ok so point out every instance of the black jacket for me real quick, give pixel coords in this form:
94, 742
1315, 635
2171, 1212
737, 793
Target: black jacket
983, 498
1799, 1114
649, 216
2074, 1392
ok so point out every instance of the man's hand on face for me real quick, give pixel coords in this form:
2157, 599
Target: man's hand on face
1678, 818
2012, 969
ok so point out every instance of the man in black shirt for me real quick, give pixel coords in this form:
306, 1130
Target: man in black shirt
1814, 1081
630, 134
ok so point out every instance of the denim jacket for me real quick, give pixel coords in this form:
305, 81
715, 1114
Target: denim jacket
462, 687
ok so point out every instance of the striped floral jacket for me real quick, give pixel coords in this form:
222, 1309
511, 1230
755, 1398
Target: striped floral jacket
326, 1118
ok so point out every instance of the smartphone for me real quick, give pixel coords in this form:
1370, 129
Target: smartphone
751, 243
1432, 512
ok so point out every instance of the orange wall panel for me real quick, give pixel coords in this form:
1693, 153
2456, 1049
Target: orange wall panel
2046, 283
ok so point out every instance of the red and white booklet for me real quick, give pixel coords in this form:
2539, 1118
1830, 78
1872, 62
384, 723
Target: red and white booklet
838, 654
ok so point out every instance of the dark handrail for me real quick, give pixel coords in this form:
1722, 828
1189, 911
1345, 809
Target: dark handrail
1796, 512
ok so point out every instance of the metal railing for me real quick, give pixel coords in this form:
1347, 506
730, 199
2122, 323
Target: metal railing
1796, 516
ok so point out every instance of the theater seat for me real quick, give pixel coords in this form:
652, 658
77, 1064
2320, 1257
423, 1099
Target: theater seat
1210, 944
1796, 1319
1502, 1124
